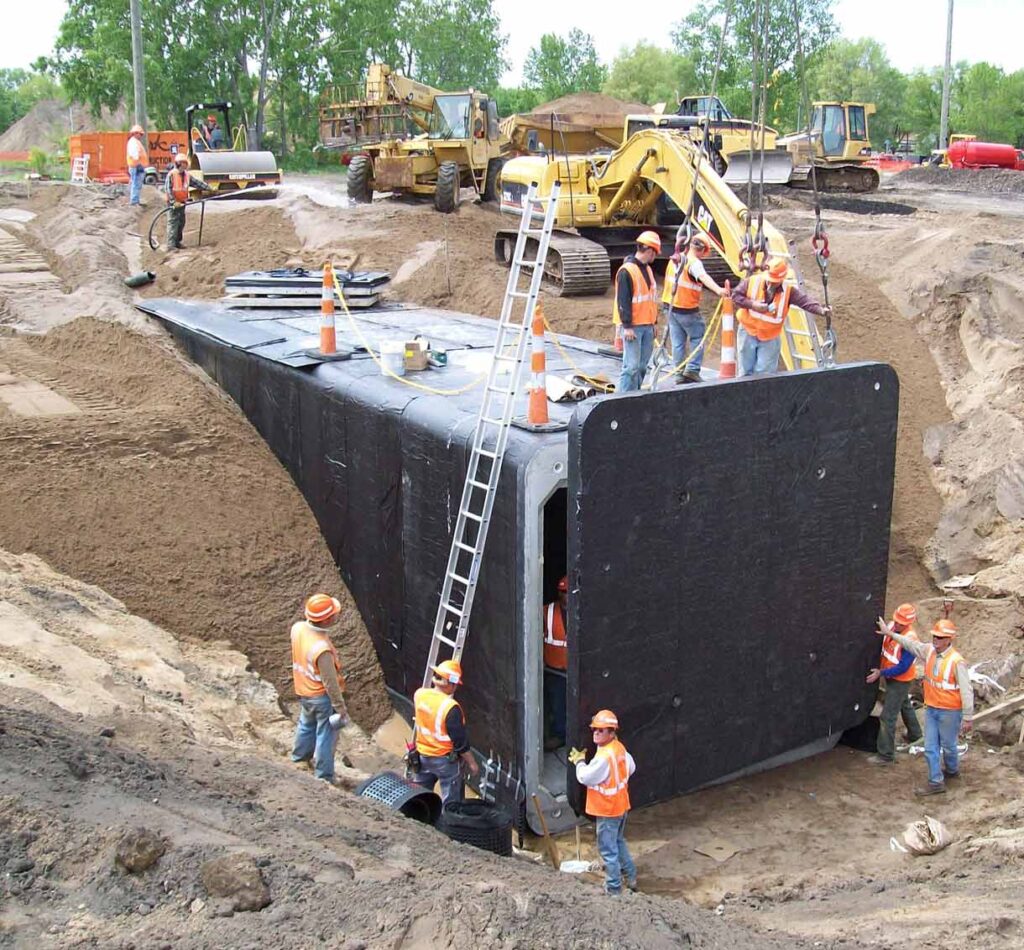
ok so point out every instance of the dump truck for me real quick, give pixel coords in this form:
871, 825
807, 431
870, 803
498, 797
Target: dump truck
227, 165
410, 139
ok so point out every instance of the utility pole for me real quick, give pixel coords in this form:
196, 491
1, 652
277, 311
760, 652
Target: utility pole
944, 120
138, 69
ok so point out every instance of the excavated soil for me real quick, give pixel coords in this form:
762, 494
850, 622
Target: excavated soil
591, 103
49, 122
993, 181
812, 854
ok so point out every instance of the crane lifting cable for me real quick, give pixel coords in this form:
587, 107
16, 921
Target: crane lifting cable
819, 241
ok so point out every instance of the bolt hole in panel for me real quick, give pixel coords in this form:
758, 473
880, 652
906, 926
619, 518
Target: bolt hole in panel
728, 543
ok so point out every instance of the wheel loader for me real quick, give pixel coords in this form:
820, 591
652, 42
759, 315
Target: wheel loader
412, 139
225, 164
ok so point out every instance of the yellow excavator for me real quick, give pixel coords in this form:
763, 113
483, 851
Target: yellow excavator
604, 201
413, 139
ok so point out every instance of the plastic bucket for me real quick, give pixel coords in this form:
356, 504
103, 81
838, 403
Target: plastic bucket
392, 359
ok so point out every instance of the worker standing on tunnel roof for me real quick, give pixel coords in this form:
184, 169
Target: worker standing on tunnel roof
316, 672
896, 669
607, 780
636, 309
441, 739
763, 301
948, 700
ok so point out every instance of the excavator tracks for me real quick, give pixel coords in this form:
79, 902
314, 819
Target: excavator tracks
574, 266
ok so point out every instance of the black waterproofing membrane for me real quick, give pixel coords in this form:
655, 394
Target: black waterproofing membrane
727, 542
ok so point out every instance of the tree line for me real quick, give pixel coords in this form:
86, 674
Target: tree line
273, 58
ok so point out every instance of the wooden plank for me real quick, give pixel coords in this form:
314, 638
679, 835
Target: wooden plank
1000, 709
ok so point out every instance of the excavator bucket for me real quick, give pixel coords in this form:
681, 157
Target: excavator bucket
778, 167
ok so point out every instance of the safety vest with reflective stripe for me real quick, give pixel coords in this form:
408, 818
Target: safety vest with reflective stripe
687, 294
556, 654
892, 654
308, 644
179, 185
765, 326
136, 154
610, 799
645, 304
432, 708
941, 688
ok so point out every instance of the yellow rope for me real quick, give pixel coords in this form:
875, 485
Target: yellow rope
710, 333
384, 369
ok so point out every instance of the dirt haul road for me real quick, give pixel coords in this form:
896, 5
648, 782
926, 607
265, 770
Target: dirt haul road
125, 469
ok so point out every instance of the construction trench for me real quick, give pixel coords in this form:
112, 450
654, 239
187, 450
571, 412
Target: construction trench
146, 482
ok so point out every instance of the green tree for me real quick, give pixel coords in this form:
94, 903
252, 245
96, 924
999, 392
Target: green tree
699, 36
648, 73
513, 100
988, 103
558, 66
859, 71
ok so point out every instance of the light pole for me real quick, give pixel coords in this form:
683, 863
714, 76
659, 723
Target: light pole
138, 68
944, 120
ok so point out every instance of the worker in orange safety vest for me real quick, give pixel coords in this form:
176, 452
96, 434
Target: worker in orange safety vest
948, 700
137, 158
763, 301
896, 669
316, 675
442, 743
556, 655
636, 310
176, 188
606, 778
685, 280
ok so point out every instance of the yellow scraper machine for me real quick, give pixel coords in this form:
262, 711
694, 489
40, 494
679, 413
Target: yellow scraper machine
224, 162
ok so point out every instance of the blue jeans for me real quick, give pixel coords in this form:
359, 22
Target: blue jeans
683, 326
554, 701
756, 356
315, 736
440, 768
136, 173
636, 354
941, 729
611, 845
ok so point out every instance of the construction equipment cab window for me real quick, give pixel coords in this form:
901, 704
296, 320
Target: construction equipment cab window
858, 124
830, 124
449, 118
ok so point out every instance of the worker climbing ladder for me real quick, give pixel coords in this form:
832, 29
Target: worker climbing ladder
491, 434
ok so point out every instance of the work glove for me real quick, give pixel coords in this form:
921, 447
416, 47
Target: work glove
576, 756
883, 629
338, 721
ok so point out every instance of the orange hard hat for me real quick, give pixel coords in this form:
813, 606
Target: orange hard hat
905, 614
777, 270
450, 671
650, 239
181, 158
211, 118
322, 607
563, 585
604, 719
701, 245
137, 130
944, 628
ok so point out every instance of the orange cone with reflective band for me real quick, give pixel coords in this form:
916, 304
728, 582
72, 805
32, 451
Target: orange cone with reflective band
328, 339
727, 365
537, 410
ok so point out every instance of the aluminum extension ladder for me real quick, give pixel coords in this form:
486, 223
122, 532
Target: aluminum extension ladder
802, 341
491, 435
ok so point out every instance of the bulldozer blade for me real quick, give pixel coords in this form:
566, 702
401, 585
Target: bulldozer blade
778, 167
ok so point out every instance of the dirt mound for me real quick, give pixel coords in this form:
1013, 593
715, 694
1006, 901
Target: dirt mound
596, 102
50, 121
993, 181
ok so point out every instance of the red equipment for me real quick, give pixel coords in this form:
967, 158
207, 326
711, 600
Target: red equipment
981, 155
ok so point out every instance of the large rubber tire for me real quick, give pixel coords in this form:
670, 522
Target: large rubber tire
446, 194
360, 171
479, 824
492, 183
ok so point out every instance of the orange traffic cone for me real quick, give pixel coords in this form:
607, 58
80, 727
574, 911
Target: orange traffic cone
727, 365
328, 336
537, 409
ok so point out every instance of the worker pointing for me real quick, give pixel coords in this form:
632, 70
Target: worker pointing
607, 780
316, 674
441, 739
763, 301
948, 700
685, 280
896, 669
636, 309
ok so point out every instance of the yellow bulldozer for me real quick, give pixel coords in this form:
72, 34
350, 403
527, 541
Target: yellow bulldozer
410, 139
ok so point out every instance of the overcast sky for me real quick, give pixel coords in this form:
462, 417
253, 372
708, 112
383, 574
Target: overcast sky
912, 31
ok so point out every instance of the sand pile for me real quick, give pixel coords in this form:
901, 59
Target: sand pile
591, 102
993, 181
49, 122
